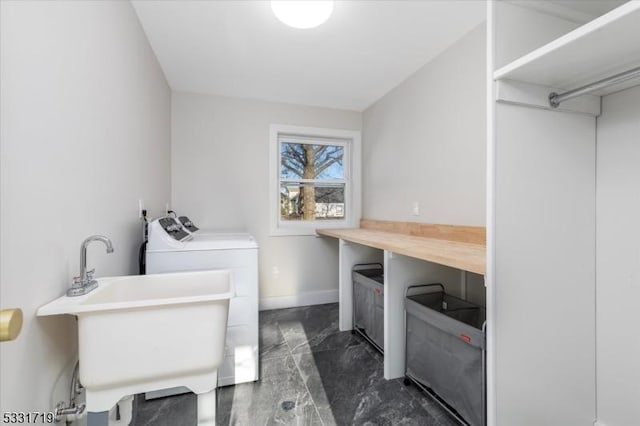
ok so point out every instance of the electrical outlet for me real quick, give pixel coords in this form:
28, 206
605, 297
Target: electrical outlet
416, 208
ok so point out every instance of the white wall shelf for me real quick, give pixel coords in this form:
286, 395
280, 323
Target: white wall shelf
601, 48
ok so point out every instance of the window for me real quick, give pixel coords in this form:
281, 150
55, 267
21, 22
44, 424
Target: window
315, 178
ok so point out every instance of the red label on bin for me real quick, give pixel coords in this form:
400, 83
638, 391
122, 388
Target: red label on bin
465, 338
377, 290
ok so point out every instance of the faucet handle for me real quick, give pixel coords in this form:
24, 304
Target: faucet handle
77, 281
90, 274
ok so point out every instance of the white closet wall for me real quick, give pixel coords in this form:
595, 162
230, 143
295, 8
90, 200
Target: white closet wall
543, 286
563, 263
618, 259
545, 267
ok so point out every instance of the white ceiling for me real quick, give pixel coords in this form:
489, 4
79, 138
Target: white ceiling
594, 8
239, 48
579, 11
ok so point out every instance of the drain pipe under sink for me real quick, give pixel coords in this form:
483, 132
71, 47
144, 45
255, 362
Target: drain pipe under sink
72, 411
120, 415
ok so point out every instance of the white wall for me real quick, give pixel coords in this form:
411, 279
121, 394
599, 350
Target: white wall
618, 259
425, 141
545, 267
542, 262
533, 28
220, 179
85, 114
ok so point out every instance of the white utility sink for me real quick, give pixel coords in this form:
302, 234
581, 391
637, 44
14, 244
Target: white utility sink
149, 332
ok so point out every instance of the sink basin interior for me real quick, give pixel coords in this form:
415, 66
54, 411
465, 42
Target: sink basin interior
155, 287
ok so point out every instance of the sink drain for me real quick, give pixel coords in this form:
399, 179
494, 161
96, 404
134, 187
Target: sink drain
288, 405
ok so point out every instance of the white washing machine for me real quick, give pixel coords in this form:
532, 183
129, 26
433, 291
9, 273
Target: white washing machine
174, 246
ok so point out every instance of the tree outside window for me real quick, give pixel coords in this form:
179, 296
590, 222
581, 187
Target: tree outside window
312, 181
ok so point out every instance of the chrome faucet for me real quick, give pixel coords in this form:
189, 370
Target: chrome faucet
84, 283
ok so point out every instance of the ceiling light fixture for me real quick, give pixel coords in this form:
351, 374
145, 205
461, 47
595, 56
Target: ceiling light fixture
302, 14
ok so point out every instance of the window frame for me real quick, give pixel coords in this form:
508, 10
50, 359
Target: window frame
350, 140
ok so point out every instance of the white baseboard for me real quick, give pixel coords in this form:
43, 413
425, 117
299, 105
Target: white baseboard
302, 299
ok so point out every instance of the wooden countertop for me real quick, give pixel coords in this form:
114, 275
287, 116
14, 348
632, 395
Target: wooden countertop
444, 244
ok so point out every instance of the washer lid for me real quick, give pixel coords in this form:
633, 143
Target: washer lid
210, 240
222, 240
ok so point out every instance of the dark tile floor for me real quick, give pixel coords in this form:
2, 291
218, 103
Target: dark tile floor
311, 374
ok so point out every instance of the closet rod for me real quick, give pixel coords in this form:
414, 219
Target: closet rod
556, 98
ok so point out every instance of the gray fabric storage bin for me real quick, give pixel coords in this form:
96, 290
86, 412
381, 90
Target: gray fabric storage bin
368, 303
445, 351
